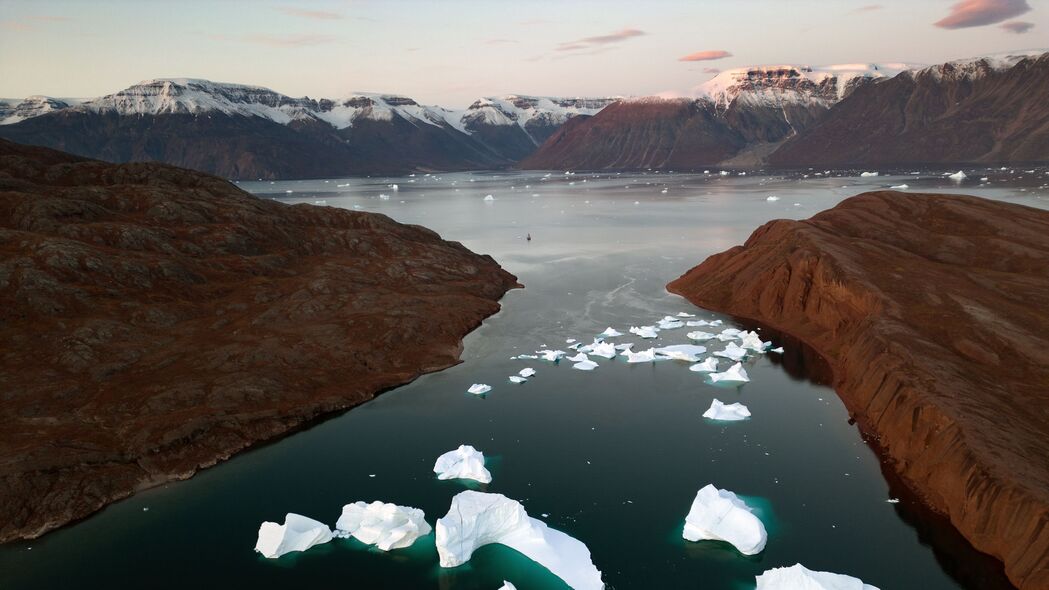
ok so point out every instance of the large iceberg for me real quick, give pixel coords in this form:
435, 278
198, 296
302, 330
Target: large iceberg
798, 577
476, 519
735, 373
298, 533
719, 515
465, 462
387, 526
682, 352
730, 412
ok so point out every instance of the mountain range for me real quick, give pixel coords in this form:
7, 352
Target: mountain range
980, 110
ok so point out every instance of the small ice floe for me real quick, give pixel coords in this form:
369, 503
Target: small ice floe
298, 533
900, 187
685, 314
604, 349
778, 350
489, 198
550, 355
772, 198
751, 341
476, 519
728, 413
699, 335
465, 462
394, 187
525, 356
644, 331
958, 176
610, 332
570, 340
587, 365
670, 322
479, 388
865, 174
893, 500
625, 346
526, 372
517, 379
682, 352
697, 323
798, 576
387, 526
578, 358
735, 373
664, 191
645, 356
708, 366
732, 352
384, 197
719, 515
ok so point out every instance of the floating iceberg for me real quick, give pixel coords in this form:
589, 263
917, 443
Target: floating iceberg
798, 577
604, 349
719, 515
731, 412
507, 586
777, 350
298, 533
735, 373
685, 314
578, 358
868, 174
489, 198
610, 332
626, 346
699, 335
479, 388
670, 323
587, 365
526, 372
550, 355
645, 331
517, 379
732, 352
387, 526
465, 462
958, 176
682, 352
751, 341
900, 187
708, 366
645, 356
476, 519
772, 198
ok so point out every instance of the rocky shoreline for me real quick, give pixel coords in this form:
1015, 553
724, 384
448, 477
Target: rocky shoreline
931, 311
157, 321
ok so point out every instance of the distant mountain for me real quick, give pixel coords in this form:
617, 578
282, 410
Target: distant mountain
242, 131
989, 109
737, 117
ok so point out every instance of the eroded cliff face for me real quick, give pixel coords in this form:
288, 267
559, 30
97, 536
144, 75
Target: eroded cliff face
931, 310
155, 321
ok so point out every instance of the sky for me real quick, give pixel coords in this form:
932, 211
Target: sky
452, 52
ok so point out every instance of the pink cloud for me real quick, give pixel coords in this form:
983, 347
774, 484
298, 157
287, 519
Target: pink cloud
591, 42
314, 14
1017, 26
710, 54
869, 8
978, 13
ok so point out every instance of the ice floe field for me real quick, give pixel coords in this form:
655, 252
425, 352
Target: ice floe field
554, 442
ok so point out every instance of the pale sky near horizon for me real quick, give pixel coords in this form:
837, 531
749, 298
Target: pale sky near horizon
452, 52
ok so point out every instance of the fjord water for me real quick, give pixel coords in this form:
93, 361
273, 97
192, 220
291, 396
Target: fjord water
612, 457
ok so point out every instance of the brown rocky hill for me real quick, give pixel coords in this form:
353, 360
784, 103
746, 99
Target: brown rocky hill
156, 320
931, 310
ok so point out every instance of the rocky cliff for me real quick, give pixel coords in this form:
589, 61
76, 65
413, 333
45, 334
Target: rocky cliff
931, 311
155, 321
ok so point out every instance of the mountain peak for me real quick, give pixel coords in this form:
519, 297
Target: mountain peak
792, 83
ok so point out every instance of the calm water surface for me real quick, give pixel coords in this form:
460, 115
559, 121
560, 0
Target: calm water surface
613, 457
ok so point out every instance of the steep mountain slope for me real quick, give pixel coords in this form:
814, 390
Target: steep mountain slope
740, 116
980, 110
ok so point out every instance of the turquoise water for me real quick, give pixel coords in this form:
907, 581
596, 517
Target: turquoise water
612, 457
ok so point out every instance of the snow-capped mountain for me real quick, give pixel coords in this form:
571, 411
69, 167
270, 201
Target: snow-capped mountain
793, 84
13, 110
537, 115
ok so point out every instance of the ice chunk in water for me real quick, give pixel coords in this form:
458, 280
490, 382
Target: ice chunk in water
699, 335
777, 350
507, 586
900, 187
645, 331
752, 341
732, 352
731, 412
708, 366
798, 577
476, 519
526, 372
771, 198
868, 174
578, 358
479, 388
586, 365
465, 462
604, 349
550, 355
610, 332
298, 533
682, 352
645, 356
685, 314
670, 322
735, 373
489, 198
958, 176
387, 526
719, 515
517, 379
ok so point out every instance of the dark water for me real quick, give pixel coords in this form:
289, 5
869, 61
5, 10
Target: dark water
613, 457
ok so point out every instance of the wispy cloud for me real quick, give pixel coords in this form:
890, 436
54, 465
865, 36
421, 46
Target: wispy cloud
979, 13
708, 55
600, 40
314, 14
711, 71
305, 40
1017, 26
868, 8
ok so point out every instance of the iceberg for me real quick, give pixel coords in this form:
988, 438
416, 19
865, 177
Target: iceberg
550, 355
900, 187
622, 347
587, 365
868, 174
578, 358
729, 413
610, 332
751, 341
685, 314
298, 533
465, 462
479, 388
798, 577
732, 352
507, 586
645, 356
604, 349
699, 335
489, 198
476, 519
670, 323
645, 331
387, 526
682, 352
517, 379
958, 176
777, 350
719, 515
735, 373
772, 198
708, 366
697, 323
526, 372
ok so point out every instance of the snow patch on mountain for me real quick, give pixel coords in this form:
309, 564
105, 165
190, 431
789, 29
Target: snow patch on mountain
528, 111
13, 110
975, 67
